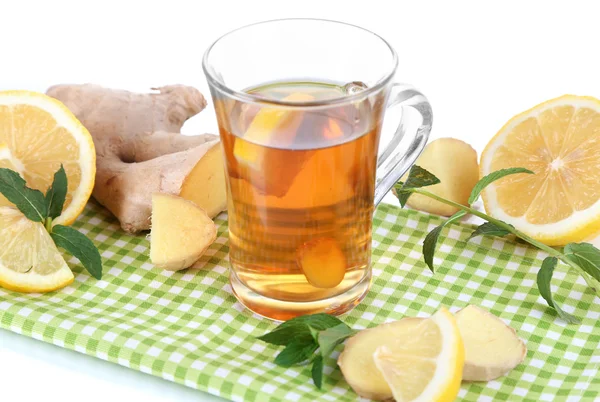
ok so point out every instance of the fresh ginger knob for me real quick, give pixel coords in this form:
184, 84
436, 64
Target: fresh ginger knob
322, 262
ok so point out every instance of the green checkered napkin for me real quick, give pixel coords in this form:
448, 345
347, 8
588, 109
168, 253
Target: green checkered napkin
187, 326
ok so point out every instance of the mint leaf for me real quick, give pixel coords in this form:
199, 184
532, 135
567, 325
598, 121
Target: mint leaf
288, 330
299, 350
29, 201
56, 194
401, 193
331, 337
283, 336
592, 282
489, 229
303, 336
431, 239
492, 177
543, 281
317, 371
417, 177
586, 256
79, 246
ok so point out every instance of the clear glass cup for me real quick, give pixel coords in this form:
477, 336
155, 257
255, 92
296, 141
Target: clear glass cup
304, 168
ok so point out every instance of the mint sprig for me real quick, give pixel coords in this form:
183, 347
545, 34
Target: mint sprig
38, 207
308, 339
584, 258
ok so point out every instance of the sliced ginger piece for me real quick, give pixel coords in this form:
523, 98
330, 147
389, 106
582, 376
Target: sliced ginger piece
454, 162
205, 184
181, 232
323, 262
413, 359
356, 361
492, 348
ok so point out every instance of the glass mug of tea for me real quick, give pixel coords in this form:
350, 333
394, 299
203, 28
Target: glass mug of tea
300, 105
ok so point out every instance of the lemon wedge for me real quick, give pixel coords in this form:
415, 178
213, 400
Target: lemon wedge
268, 122
559, 140
29, 260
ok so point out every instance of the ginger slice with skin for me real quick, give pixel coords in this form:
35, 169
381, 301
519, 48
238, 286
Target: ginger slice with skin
454, 162
492, 348
140, 151
181, 232
357, 363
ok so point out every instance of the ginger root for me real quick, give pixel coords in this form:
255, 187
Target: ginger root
454, 162
140, 151
181, 232
492, 348
357, 363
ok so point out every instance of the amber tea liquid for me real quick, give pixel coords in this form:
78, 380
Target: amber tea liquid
300, 192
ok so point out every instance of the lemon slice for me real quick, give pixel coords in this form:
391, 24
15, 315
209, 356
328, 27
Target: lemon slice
559, 140
425, 361
39, 134
29, 260
267, 123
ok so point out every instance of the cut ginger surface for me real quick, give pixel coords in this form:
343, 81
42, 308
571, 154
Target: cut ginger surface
181, 232
408, 360
492, 348
357, 363
559, 140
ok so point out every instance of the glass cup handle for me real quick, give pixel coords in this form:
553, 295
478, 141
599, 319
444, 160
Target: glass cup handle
402, 152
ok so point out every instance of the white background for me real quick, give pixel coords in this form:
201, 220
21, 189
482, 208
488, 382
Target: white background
478, 62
